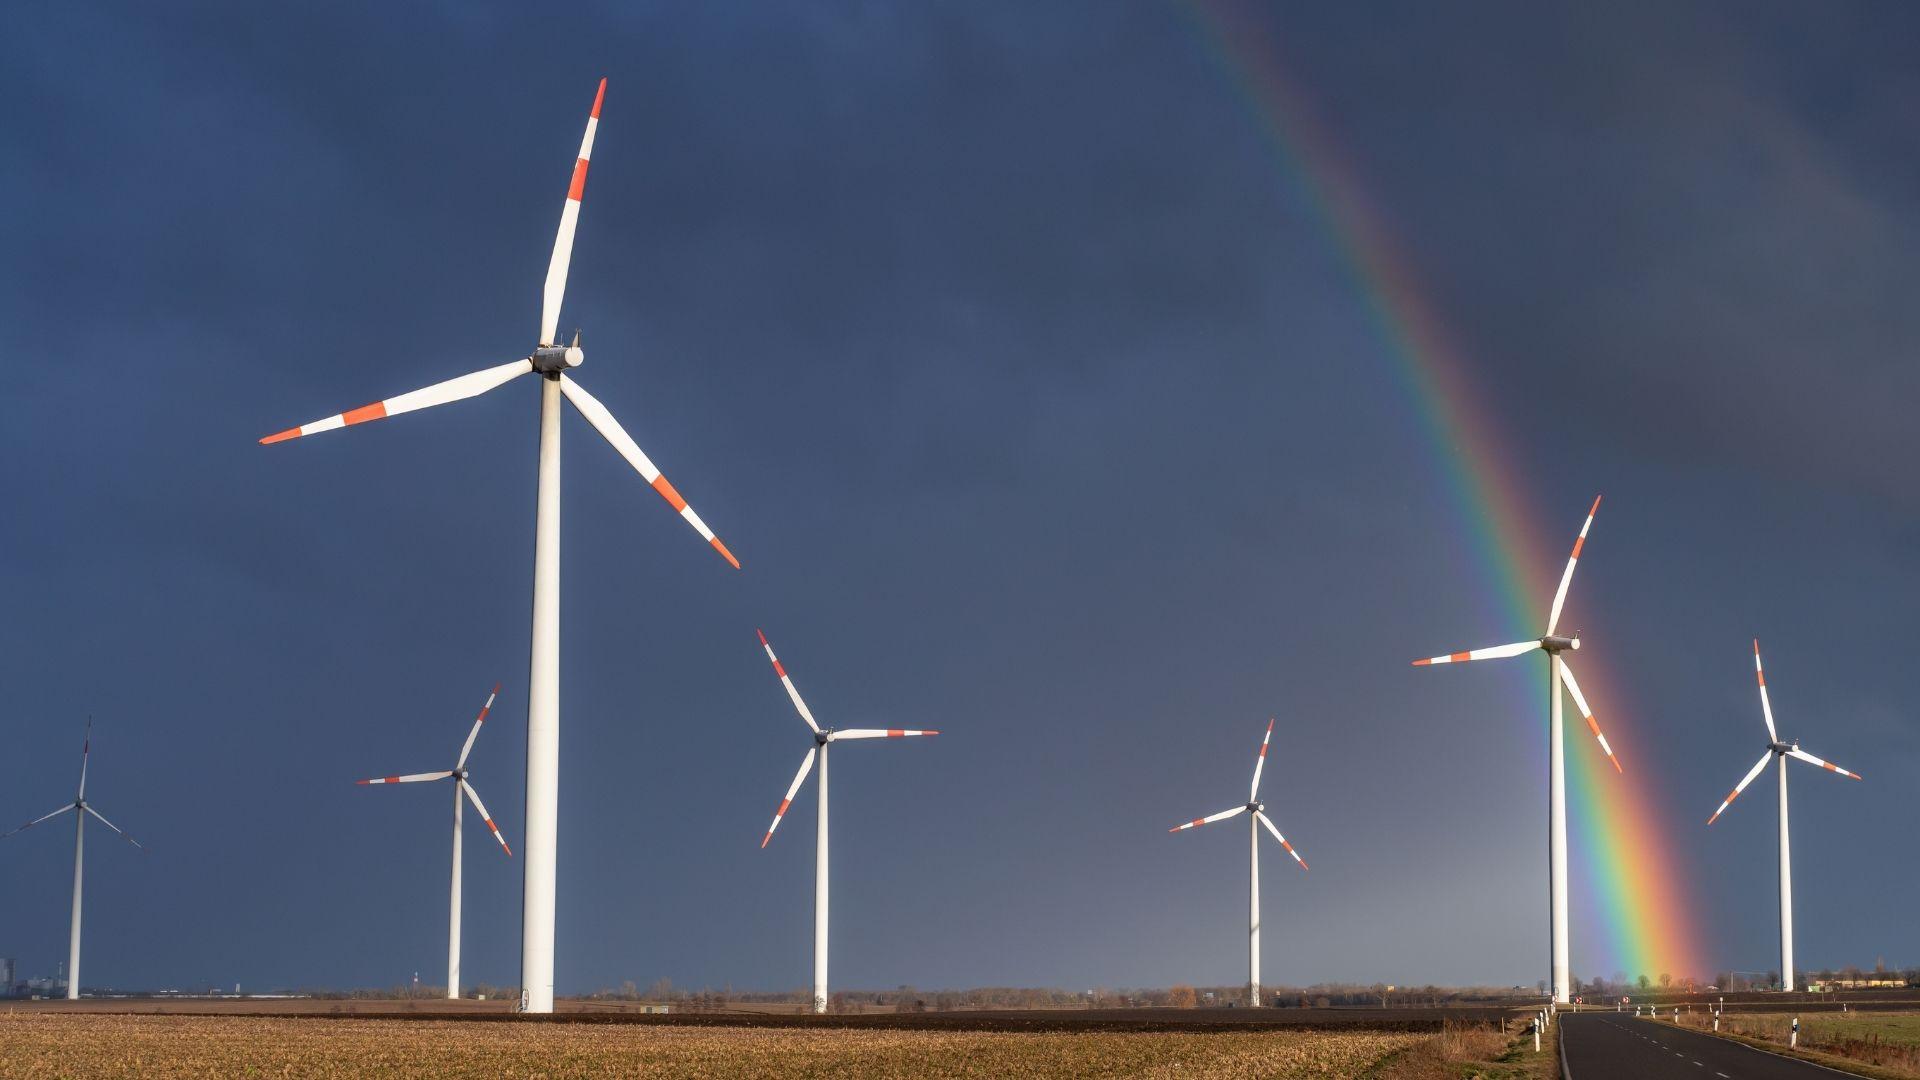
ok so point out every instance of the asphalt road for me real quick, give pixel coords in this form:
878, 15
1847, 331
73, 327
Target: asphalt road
1604, 1045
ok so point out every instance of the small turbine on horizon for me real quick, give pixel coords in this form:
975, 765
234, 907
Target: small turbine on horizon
1776, 749
1258, 809
1558, 672
81, 804
822, 738
461, 785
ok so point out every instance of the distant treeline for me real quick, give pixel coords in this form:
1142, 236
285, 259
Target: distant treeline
1180, 995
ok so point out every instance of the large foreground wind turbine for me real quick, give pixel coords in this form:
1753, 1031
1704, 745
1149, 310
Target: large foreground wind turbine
550, 360
822, 738
79, 862
1557, 672
1782, 751
1258, 809
461, 785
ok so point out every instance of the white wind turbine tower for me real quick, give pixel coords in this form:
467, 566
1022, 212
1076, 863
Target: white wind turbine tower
1258, 809
822, 739
461, 785
1782, 751
81, 804
1557, 672
550, 361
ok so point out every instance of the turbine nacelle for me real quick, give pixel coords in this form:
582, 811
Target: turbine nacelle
1554, 643
554, 359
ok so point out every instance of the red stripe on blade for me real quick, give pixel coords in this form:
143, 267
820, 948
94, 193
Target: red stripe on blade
667, 492
579, 186
365, 413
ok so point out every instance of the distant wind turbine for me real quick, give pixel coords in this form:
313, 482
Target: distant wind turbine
1258, 809
1781, 751
79, 848
1558, 671
461, 786
822, 738
551, 361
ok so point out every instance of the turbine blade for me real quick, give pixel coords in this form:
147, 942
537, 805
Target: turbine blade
1493, 653
1742, 785
410, 778
477, 721
1253, 793
86, 745
1766, 707
556, 287
1566, 676
38, 820
439, 393
610, 429
1283, 840
875, 733
806, 766
1566, 579
1827, 765
1209, 819
474, 797
115, 828
778, 669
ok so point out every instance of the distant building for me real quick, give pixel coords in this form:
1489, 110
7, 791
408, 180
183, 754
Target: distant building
6, 976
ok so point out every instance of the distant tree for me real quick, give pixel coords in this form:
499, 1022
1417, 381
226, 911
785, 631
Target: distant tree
661, 990
1181, 996
1773, 980
1666, 981
1644, 982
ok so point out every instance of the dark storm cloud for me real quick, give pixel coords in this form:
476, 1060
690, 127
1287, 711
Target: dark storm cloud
1040, 411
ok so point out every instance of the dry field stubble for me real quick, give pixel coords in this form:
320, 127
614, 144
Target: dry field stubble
168, 1047
1889, 1041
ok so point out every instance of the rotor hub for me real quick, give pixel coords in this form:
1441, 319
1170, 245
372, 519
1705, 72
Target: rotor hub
821, 738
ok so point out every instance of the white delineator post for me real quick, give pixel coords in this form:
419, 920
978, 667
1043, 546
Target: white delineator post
543, 722
820, 893
1786, 887
453, 913
1253, 912
1557, 840
73, 938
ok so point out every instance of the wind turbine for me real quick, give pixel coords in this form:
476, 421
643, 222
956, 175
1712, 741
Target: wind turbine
1781, 751
79, 848
550, 361
461, 785
1258, 809
822, 738
1557, 673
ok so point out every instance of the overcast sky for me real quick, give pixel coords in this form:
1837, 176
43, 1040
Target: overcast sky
1040, 407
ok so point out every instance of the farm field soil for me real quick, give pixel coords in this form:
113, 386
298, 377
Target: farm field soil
45, 1043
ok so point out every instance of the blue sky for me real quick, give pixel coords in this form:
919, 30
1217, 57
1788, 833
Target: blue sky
1038, 410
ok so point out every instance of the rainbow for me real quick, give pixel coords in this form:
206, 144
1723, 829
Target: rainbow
1618, 834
